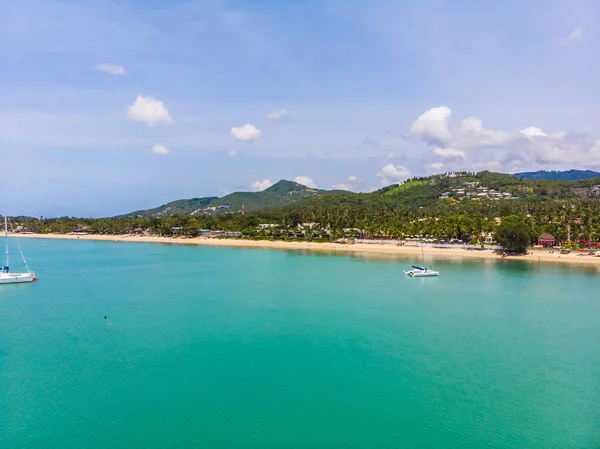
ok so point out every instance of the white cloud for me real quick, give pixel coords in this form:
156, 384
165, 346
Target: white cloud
532, 131
232, 153
276, 115
306, 181
392, 174
390, 156
352, 185
160, 149
575, 35
554, 151
449, 153
432, 126
550, 150
472, 146
246, 133
112, 69
558, 135
346, 187
258, 186
149, 110
437, 166
471, 133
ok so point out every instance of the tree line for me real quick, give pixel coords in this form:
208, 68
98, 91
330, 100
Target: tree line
343, 215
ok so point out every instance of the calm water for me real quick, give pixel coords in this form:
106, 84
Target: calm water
239, 348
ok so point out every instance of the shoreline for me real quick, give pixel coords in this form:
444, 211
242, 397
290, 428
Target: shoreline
456, 254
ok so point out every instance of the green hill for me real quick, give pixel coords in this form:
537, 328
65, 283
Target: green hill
179, 207
456, 205
279, 194
414, 193
569, 175
399, 189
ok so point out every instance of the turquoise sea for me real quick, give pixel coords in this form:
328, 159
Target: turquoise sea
252, 348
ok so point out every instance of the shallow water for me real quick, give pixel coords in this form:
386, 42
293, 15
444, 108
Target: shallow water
255, 348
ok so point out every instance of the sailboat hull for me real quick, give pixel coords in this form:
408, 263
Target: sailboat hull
422, 273
6, 277
16, 278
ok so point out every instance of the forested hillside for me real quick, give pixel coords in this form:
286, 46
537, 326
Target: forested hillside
416, 192
569, 175
463, 206
282, 193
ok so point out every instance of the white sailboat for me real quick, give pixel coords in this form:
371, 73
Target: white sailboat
7, 276
421, 272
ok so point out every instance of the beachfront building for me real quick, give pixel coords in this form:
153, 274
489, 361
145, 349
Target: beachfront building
353, 232
546, 240
177, 231
308, 226
231, 234
209, 234
136, 231
80, 229
487, 238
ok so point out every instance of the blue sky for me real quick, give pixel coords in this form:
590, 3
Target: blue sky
110, 106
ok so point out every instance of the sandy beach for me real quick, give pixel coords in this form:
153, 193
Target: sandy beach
535, 255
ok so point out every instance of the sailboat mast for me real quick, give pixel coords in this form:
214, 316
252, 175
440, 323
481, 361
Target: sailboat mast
6, 235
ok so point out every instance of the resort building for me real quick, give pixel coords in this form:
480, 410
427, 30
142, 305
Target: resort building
474, 191
268, 225
546, 240
209, 234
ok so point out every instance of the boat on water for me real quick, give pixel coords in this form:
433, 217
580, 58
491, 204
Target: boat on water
421, 272
7, 276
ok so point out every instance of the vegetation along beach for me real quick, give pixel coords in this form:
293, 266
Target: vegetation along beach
456, 215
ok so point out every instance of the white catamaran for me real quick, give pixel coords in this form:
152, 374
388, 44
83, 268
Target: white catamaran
421, 272
8, 277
